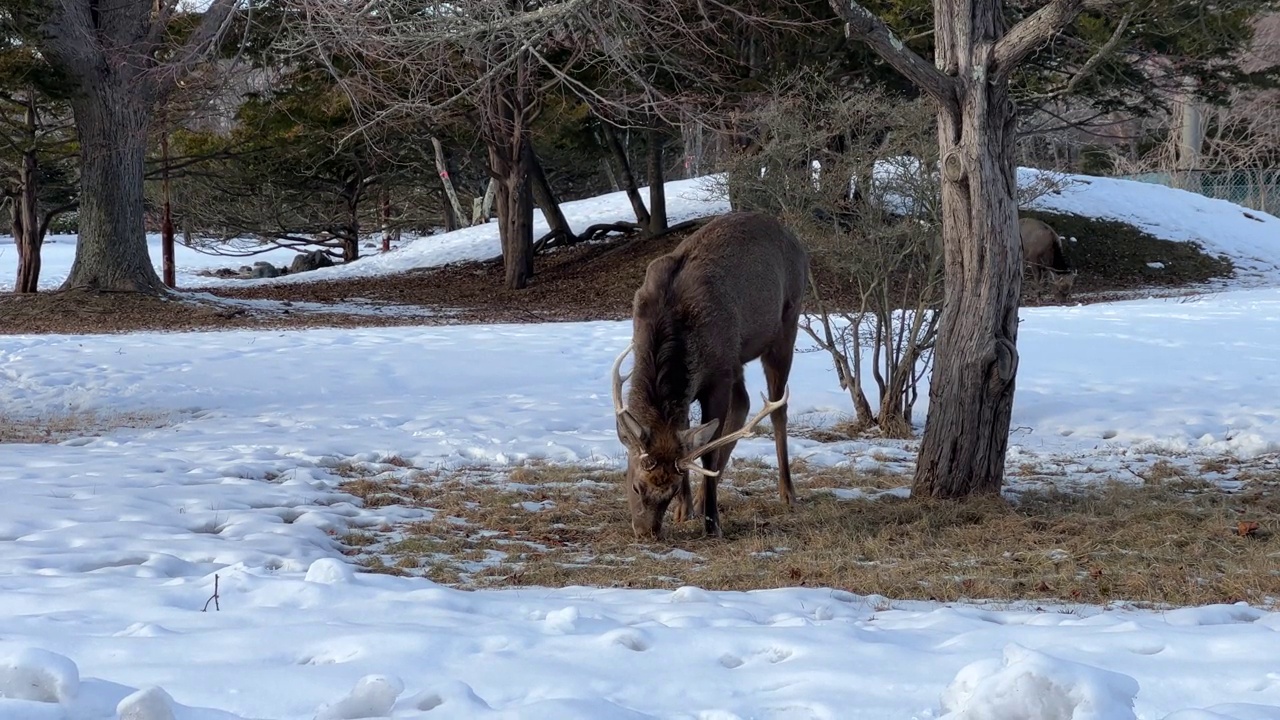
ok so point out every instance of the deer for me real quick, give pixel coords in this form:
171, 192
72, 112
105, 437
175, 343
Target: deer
1042, 252
727, 295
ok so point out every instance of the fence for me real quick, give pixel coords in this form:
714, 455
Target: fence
1253, 188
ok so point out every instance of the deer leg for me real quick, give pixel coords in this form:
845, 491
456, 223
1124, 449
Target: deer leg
776, 362
719, 403
683, 507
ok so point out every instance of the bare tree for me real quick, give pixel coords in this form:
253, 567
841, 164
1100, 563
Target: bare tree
976, 357
123, 65
877, 280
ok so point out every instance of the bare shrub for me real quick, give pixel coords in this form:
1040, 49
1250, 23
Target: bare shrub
853, 174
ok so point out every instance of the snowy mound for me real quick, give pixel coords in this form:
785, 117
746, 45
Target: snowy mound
1028, 684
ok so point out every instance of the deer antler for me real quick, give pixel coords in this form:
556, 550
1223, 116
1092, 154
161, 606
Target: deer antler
618, 407
689, 462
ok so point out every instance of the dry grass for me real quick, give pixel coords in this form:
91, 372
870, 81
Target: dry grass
55, 428
1172, 542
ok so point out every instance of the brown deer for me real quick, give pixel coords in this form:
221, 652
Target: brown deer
728, 294
1042, 252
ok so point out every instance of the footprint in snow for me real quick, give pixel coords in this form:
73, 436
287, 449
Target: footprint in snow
773, 656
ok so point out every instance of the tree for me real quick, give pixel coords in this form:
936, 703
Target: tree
298, 164
124, 59
876, 280
35, 147
976, 356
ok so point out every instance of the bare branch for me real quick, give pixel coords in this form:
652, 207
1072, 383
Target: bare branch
862, 24
1037, 29
213, 25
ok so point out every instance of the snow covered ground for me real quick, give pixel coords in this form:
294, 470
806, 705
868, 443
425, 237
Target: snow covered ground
110, 544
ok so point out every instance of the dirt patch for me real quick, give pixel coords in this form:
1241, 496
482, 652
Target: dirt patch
88, 311
593, 281
55, 428
1165, 543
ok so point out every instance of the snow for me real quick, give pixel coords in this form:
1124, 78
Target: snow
1029, 684
112, 542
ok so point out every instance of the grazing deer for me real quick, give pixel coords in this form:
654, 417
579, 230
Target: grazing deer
1042, 252
728, 294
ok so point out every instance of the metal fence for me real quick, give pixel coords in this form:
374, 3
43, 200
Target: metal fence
1253, 188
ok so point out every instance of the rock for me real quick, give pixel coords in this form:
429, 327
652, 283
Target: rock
262, 269
305, 262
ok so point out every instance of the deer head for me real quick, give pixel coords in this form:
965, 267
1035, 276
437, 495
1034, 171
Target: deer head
1062, 284
660, 457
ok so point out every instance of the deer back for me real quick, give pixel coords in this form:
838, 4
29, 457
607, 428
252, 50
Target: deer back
714, 303
1038, 242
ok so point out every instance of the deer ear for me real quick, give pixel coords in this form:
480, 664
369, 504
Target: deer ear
694, 438
630, 432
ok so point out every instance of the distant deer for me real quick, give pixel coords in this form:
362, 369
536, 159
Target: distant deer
1042, 252
728, 294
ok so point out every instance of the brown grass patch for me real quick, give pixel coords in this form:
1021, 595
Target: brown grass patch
51, 428
1160, 543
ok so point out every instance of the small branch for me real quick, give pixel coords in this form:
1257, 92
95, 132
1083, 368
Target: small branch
213, 598
862, 24
1093, 62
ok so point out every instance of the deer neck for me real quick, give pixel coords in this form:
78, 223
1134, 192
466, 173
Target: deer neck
663, 382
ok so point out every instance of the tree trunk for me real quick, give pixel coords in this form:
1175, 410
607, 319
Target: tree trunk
166, 218
26, 231
514, 201
976, 356
510, 107
451, 220
111, 253
545, 197
442, 167
27, 236
351, 233
628, 177
657, 190
481, 207
384, 213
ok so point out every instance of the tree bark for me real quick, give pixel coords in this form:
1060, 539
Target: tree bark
657, 189
351, 233
545, 197
27, 235
629, 183
167, 263
975, 358
514, 200
111, 253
